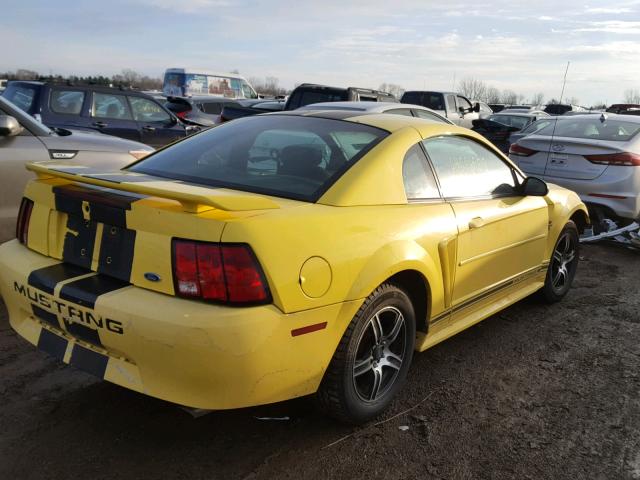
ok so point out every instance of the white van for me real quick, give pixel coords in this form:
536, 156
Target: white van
186, 82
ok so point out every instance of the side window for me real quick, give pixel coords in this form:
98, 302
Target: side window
418, 179
467, 169
67, 102
212, 108
451, 103
145, 110
106, 105
400, 111
428, 116
464, 103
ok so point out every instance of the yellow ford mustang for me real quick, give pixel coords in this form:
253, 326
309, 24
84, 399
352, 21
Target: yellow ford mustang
283, 255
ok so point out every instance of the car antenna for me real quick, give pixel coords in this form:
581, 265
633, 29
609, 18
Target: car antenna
555, 124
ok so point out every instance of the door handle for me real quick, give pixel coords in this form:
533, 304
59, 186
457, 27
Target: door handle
476, 222
99, 124
147, 128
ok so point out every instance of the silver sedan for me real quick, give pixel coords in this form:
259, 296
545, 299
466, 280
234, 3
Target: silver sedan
23, 139
597, 156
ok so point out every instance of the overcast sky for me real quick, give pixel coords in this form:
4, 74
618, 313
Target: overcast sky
523, 46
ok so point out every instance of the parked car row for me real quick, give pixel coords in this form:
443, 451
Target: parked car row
23, 139
123, 113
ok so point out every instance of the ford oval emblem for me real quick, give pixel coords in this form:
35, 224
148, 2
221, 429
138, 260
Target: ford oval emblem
152, 277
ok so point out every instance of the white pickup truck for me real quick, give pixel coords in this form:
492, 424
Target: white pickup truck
454, 106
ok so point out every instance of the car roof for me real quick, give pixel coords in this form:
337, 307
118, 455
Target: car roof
358, 106
390, 123
510, 113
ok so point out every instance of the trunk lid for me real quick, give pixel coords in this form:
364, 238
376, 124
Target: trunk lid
121, 224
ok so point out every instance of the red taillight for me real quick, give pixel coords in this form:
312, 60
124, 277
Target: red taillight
185, 269
24, 216
623, 158
210, 272
521, 151
222, 273
244, 279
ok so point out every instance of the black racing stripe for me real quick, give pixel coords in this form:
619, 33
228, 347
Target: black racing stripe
83, 332
86, 291
52, 344
89, 361
116, 252
47, 278
105, 205
79, 241
50, 318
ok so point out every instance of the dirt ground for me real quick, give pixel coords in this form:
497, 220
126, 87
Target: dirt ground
536, 392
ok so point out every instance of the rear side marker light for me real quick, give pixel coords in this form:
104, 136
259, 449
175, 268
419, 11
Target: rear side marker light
521, 151
619, 159
24, 217
225, 273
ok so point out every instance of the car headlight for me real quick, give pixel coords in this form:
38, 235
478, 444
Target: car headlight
139, 154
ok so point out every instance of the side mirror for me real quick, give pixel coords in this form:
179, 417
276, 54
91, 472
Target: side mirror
476, 107
534, 187
9, 126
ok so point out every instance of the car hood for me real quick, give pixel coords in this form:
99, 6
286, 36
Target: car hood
88, 141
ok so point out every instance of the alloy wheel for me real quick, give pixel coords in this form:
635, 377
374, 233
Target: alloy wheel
380, 354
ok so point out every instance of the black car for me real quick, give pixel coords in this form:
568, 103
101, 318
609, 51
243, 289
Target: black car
308, 93
202, 110
500, 127
120, 112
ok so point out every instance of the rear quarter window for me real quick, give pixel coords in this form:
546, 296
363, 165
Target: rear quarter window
22, 96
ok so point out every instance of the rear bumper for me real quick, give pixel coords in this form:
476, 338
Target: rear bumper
187, 352
618, 188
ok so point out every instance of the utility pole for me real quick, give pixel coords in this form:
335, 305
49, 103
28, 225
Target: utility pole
564, 82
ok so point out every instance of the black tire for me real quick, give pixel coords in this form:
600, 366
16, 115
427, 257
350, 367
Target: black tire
349, 394
563, 264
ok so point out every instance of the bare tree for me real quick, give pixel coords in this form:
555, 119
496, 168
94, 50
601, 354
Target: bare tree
267, 86
509, 97
493, 95
537, 99
392, 88
632, 96
473, 89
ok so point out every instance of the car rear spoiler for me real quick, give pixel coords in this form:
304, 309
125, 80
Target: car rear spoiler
193, 198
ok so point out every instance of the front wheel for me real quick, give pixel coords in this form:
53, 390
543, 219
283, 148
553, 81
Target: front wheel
372, 359
563, 265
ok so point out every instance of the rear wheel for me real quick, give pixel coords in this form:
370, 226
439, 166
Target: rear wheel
563, 265
372, 359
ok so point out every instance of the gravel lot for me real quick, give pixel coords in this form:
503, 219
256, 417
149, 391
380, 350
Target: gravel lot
540, 392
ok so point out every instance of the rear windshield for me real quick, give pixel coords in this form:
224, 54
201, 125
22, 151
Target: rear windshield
432, 100
22, 95
590, 127
302, 97
285, 156
511, 120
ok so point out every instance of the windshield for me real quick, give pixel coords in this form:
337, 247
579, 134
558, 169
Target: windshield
287, 156
591, 127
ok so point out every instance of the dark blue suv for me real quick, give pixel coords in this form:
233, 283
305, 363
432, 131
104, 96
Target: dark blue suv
124, 113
